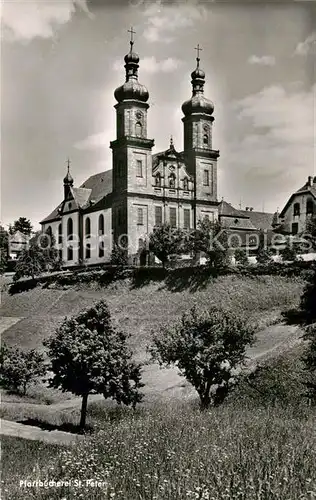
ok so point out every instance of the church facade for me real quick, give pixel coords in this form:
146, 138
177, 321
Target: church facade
143, 190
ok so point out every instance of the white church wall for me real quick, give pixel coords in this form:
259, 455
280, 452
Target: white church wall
96, 237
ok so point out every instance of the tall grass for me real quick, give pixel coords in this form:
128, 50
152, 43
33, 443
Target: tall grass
178, 453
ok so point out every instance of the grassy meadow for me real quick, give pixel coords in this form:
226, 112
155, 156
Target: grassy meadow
175, 453
259, 445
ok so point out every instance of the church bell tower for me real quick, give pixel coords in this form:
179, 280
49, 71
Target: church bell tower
132, 165
198, 120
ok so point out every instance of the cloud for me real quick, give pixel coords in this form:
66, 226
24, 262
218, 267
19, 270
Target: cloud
262, 60
163, 21
306, 47
151, 65
272, 146
94, 141
30, 19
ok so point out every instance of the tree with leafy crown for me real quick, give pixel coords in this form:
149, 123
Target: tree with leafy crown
165, 241
20, 368
90, 356
211, 239
206, 347
23, 225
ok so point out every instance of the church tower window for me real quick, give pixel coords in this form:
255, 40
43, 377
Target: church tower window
205, 139
140, 217
139, 168
185, 184
206, 178
139, 129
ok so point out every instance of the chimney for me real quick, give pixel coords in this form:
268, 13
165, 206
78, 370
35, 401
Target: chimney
310, 180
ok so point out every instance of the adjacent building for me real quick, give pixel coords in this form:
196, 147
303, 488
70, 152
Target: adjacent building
300, 207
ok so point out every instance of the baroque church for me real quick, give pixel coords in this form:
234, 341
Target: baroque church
144, 190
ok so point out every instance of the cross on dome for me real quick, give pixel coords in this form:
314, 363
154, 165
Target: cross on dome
132, 32
198, 50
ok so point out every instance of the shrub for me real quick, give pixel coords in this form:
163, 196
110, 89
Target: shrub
207, 347
20, 368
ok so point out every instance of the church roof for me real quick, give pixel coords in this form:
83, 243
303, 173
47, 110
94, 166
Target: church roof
226, 209
99, 184
54, 215
93, 189
260, 220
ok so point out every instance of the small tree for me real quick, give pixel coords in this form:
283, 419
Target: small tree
210, 238
90, 356
31, 263
40, 256
241, 256
264, 253
289, 253
23, 225
18, 368
165, 241
118, 256
206, 347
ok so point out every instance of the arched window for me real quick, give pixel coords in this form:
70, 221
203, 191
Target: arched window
138, 129
101, 224
101, 249
88, 251
70, 253
296, 209
158, 180
49, 231
60, 233
185, 184
205, 139
70, 229
88, 227
309, 207
69, 238
172, 181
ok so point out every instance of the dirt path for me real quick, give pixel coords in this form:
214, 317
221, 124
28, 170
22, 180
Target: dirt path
9, 428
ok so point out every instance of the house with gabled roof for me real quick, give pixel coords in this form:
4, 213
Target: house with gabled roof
300, 207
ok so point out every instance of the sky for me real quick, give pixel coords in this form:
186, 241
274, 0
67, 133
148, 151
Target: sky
61, 61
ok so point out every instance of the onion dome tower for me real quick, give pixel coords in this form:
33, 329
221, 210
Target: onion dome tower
131, 89
132, 163
198, 103
68, 181
200, 158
